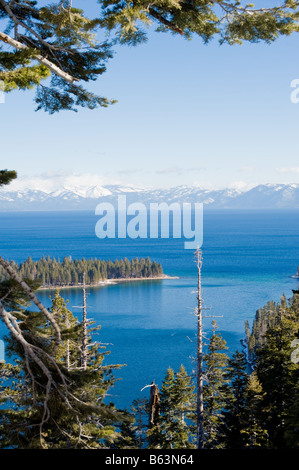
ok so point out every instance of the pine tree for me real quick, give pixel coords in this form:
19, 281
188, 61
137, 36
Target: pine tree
6, 177
127, 436
140, 411
68, 350
68, 411
133, 429
238, 379
215, 390
291, 435
253, 432
55, 41
174, 428
278, 375
13, 391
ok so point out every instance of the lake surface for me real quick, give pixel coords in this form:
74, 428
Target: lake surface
248, 259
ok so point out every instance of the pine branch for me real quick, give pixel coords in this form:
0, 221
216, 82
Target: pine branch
12, 273
173, 27
42, 60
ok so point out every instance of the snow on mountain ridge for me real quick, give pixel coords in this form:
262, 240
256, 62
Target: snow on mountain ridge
267, 196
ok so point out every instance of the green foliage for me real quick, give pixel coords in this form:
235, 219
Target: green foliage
232, 21
243, 409
236, 406
67, 410
69, 40
6, 177
274, 329
276, 372
50, 272
215, 389
173, 429
13, 391
252, 426
13, 296
266, 318
134, 427
63, 36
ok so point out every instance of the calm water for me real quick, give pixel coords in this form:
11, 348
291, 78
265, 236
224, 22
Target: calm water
248, 260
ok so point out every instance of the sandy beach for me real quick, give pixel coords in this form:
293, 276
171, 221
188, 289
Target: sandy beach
108, 282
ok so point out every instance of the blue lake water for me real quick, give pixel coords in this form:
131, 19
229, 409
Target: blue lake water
248, 259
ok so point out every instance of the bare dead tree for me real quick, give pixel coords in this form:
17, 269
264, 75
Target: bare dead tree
199, 356
84, 329
153, 404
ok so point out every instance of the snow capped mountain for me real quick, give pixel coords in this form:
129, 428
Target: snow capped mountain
94, 192
267, 196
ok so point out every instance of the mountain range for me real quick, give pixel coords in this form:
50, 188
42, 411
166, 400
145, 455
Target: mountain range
264, 196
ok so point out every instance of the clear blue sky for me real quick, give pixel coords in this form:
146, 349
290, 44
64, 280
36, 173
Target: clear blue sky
186, 114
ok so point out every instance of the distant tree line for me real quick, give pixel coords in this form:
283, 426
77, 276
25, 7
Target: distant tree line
51, 272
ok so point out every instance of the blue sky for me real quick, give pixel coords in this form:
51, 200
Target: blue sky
187, 113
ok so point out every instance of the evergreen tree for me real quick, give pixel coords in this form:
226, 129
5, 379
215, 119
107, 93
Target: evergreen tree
278, 375
234, 423
173, 429
55, 41
13, 392
215, 390
68, 350
140, 411
253, 432
291, 435
6, 177
133, 429
64, 406
127, 437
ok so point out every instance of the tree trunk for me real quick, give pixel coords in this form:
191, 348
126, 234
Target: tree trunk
153, 404
84, 327
199, 404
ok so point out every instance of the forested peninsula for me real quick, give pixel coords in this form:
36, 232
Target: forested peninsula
53, 273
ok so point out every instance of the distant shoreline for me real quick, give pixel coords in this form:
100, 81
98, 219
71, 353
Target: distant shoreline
109, 282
